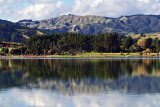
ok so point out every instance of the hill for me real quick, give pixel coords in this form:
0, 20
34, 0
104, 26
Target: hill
11, 32
145, 35
135, 24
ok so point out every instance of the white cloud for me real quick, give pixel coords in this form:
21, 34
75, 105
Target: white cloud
43, 9
116, 8
9, 2
1, 1
40, 11
42, 1
32, 9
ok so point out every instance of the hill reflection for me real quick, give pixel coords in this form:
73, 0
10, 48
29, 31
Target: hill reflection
82, 75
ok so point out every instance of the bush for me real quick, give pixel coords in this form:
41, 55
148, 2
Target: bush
140, 53
5, 50
18, 51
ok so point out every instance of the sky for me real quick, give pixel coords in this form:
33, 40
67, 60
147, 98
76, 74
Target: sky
14, 10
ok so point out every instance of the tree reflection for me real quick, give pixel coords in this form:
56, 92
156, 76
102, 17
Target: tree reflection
81, 68
82, 75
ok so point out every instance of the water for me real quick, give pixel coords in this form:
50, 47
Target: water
133, 82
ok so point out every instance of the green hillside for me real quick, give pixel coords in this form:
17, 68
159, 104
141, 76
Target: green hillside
10, 32
135, 24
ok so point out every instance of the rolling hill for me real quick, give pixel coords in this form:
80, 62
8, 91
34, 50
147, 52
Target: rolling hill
11, 32
135, 24
126, 25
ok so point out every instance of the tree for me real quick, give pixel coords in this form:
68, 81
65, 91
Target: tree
142, 43
5, 50
157, 45
128, 42
98, 44
112, 42
148, 42
73, 43
87, 43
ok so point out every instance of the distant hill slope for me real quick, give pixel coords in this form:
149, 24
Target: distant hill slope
5, 22
136, 24
145, 35
11, 32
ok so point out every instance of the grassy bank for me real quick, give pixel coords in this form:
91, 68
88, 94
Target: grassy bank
86, 55
95, 55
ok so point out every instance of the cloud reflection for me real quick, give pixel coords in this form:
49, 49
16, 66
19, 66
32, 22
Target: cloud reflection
42, 98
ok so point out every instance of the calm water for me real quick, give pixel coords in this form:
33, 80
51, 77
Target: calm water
80, 82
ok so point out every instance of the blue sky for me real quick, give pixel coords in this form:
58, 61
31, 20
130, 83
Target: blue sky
15, 10
68, 1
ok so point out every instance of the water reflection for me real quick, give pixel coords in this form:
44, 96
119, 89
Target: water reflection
39, 98
82, 75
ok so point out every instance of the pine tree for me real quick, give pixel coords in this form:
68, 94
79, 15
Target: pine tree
148, 42
128, 42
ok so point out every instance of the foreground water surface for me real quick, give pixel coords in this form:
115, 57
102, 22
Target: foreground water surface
80, 82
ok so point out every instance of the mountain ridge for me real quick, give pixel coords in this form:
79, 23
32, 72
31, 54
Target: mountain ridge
92, 24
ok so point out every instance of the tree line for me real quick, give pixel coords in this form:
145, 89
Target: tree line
73, 43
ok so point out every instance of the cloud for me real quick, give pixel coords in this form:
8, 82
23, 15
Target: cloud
116, 8
7, 2
42, 1
43, 9
15, 10
8, 7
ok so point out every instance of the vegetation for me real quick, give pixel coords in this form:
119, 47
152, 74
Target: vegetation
78, 69
11, 32
128, 42
83, 74
74, 43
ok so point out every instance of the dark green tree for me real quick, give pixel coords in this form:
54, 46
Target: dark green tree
148, 42
98, 44
112, 42
157, 45
128, 42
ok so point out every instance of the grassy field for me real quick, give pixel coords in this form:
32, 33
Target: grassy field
95, 55
87, 55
